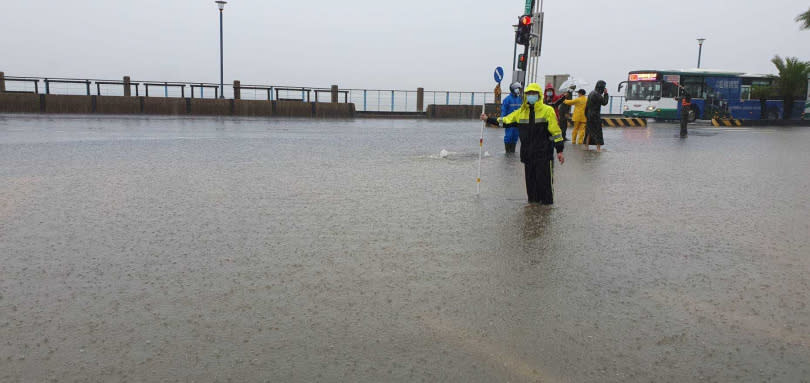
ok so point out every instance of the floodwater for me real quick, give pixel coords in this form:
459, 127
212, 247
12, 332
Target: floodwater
213, 250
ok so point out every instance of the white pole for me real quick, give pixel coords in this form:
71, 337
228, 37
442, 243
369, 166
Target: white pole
480, 151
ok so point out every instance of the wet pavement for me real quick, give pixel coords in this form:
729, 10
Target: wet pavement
204, 249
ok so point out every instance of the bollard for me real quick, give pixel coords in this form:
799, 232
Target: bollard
2, 82
127, 87
237, 90
334, 94
420, 99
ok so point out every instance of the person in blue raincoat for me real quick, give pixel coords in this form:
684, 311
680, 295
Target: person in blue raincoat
510, 104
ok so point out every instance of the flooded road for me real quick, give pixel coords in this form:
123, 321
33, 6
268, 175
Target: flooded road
216, 250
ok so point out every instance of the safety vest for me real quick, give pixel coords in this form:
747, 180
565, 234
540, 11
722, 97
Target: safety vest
538, 140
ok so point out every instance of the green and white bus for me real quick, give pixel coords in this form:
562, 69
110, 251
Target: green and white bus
654, 93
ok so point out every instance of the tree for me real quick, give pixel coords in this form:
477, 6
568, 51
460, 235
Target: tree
762, 93
804, 20
791, 82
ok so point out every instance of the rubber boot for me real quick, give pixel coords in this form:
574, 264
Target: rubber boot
506, 147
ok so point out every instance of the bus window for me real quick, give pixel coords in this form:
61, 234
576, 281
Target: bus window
694, 85
670, 90
644, 90
745, 92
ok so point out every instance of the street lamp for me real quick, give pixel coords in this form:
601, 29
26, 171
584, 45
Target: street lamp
221, 5
700, 48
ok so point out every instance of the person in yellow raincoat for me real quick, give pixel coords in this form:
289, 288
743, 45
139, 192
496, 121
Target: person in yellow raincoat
539, 136
578, 135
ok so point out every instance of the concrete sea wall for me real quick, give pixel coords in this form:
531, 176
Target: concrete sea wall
36, 103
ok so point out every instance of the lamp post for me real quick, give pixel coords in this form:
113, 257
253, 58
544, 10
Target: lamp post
221, 5
700, 49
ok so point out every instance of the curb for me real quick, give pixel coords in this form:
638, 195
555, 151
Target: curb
625, 122
717, 122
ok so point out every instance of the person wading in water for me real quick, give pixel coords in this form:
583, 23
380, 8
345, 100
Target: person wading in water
539, 137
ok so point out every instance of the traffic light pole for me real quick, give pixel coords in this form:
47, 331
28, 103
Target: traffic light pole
524, 68
533, 47
514, 59
526, 77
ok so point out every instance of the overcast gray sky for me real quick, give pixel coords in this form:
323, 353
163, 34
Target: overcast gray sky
436, 44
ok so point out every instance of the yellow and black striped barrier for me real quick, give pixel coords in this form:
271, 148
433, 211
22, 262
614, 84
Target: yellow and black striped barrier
726, 122
624, 122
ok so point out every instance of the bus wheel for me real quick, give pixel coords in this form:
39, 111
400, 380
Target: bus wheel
693, 113
773, 114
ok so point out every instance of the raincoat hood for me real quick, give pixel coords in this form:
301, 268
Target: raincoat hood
533, 87
514, 89
547, 99
600, 86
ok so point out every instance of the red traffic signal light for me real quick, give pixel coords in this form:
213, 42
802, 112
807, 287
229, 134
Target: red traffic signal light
521, 64
523, 34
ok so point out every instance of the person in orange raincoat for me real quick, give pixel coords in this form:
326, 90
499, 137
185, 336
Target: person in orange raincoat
578, 135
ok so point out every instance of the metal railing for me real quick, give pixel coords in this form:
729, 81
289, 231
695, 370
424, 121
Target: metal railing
614, 106
254, 90
397, 100
49, 81
12, 84
344, 93
166, 86
85, 87
201, 87
371, 100
291, 93
112, 91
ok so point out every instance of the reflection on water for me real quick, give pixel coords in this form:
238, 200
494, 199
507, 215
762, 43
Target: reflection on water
535, 221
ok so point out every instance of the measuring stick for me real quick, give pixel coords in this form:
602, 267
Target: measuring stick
480, 151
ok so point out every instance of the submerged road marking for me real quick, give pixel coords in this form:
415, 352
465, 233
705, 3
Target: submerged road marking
475, 344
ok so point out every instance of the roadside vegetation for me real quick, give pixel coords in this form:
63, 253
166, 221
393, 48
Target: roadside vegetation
791, 83
804, 20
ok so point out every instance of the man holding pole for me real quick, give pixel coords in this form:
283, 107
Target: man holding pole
539, 136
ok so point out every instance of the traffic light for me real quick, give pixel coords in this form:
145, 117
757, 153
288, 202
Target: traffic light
524, 30
521, 64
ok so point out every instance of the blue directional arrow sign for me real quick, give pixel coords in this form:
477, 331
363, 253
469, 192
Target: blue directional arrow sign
498, 75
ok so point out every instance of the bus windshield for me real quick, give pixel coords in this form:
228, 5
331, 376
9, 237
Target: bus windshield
644, 90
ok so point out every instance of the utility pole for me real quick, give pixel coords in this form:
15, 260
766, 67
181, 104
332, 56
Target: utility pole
221, 6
